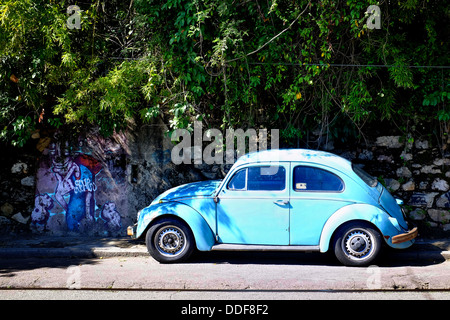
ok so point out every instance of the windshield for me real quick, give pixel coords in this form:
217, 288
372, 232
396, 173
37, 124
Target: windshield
367, 178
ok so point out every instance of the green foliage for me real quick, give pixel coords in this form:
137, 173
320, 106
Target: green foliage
294, 65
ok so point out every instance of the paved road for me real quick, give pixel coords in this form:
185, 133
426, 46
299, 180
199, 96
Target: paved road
220, 284
223, 271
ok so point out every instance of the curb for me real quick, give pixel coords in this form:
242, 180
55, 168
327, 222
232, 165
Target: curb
92, 251
70, 252
76, 247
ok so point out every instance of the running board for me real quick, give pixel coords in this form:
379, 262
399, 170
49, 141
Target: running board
244, 247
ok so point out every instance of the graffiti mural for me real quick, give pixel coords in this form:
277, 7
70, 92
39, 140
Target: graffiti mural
66, 196
43, 203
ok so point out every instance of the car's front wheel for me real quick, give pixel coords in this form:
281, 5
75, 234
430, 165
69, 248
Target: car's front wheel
357, 244
169, 241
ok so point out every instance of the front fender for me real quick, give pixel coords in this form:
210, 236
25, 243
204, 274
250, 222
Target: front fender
386, 224
204, 236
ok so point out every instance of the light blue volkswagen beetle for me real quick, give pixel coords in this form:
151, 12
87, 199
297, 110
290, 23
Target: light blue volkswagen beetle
296, 200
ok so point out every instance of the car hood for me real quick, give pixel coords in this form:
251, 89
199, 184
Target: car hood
190, 190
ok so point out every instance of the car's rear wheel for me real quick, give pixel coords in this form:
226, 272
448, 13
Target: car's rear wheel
169, 241
357, 244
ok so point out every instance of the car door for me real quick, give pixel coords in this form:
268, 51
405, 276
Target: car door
316, 193
253, 206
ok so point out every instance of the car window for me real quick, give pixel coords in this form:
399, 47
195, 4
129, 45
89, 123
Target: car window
266, 178
259, 178
367, 178
315, 179
238, 180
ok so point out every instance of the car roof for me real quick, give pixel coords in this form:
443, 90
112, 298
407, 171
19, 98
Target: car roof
297, 155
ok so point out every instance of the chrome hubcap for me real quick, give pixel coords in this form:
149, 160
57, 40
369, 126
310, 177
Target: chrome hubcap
170, 241
357, 244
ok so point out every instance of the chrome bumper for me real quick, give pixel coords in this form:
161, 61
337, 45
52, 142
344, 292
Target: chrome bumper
411, 234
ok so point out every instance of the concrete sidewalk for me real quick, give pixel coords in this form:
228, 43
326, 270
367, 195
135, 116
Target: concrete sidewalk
42, 246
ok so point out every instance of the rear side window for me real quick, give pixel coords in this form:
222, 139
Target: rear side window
367, 178
315, 179
267, 178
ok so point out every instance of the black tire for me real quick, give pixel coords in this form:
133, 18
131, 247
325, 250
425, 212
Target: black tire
170, 241
357, 244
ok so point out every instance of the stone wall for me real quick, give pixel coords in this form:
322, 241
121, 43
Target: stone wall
94, 186
17, 181
416, 172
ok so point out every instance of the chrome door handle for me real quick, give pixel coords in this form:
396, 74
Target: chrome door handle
281, 202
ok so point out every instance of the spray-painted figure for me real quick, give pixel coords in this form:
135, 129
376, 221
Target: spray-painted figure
76, 183
111, 216
43, 203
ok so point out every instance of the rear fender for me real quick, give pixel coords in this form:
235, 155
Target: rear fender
204, 236
387, 225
